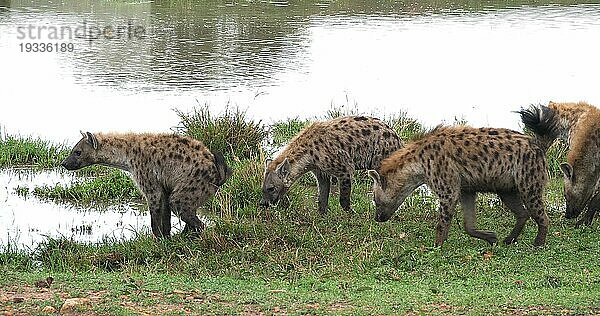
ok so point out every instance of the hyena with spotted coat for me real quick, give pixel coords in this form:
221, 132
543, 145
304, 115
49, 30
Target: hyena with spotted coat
457, 163
336, 148
576, 124
175, 173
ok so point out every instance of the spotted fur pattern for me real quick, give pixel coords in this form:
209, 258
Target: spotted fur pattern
457, 163
175, 173
332, 148
577, 125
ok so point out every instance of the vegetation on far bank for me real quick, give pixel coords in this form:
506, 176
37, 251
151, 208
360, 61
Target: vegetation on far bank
29, 151
290, 259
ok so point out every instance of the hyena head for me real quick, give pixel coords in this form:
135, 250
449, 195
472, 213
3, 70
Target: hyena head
276, 182
389, 194
580, 184
83, 154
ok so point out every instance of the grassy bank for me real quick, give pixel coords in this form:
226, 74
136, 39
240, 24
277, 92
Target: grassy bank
296, 261
291, 260
29, 151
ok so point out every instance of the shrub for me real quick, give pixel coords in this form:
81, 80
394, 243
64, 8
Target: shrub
230, 132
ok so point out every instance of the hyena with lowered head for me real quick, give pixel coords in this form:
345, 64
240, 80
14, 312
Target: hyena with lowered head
457, 163
336, 148
175, 173
575, 124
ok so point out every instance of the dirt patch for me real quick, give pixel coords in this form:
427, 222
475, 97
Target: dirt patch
543, 310
26, 300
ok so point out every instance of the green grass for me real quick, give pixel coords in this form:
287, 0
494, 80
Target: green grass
283, 132
296, 260
230, 132
290, 259
557, 154
29, 151
104, 186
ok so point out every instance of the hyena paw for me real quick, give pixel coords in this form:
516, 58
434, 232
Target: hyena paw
491, 238
510, 240
584, 221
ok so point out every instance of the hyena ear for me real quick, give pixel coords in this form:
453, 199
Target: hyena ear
267, 162
284, 168
91, 138
567, 170
374, 175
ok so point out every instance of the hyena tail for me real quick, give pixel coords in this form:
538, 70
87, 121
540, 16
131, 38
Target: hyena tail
540, 119
222, 168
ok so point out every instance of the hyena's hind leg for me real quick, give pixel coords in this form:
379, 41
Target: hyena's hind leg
324, 183
535, 206
467, 201
184, 203
592, 208
513, 201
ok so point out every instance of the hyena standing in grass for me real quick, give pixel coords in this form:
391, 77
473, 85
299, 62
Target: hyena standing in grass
332, 148
577, 124
457, 163
175, 173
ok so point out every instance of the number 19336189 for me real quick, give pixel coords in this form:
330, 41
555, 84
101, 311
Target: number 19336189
46, 47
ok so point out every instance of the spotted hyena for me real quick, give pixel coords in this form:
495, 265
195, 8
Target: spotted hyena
175, 173
576, 125
457, 163
332, 148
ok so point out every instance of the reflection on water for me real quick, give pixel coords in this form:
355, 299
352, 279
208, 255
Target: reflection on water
26, 221
437, 60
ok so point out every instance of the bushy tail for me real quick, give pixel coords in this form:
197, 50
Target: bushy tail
223, 170
541, 120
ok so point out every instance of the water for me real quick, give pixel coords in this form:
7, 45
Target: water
438, 61
26, 220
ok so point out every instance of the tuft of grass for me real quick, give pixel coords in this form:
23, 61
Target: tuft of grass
15, 259
230, 132
114, 185
556, 154
283, 132
407, 128
29, 151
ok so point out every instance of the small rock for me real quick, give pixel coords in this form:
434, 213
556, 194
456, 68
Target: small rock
48, 310
72, 303
45, 283
18, 299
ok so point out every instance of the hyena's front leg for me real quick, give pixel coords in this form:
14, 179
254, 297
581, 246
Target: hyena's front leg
447, 204
156, 207
467, 201
345, 192
592, 208
324, 182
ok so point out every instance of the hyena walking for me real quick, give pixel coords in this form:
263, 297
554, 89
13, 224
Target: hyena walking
457, 163
332, 148
175, 173
577, 125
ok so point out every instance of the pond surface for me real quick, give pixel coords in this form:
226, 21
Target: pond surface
133, 62
277, 59
25, 220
